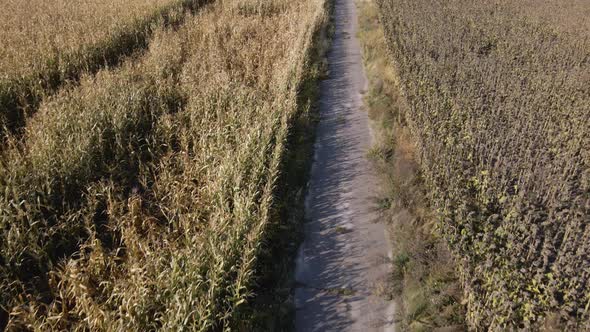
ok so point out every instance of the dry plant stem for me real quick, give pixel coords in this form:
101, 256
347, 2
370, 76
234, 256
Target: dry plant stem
60, 41
498, 103
424, 282
164, 194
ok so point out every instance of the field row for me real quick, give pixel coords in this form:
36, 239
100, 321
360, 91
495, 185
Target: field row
499, 103
43, 44
423, 282
139, 199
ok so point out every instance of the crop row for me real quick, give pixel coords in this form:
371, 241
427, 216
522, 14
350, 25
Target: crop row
44, 44
499, 104
139, 199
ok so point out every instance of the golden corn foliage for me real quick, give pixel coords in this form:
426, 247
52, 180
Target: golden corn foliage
32, 32
499, 102
46, 43
139, 199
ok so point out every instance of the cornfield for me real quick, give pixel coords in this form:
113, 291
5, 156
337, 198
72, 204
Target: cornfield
498, 98
44, 44
138, 198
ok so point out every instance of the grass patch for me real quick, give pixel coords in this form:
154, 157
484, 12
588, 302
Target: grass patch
341, 291
342, 230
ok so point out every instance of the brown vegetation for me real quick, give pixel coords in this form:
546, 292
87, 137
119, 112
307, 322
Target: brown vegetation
424, 281
140, 199
569, 17
499, 104
44, 44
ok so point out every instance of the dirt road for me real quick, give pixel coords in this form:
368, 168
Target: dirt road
343, 263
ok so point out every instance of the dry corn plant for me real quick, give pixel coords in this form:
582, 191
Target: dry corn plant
44, 44
139, 199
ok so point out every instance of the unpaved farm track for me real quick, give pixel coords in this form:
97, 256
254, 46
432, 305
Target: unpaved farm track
343, 264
